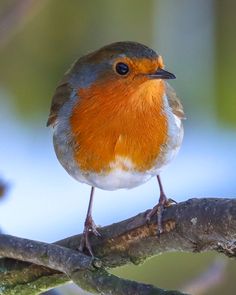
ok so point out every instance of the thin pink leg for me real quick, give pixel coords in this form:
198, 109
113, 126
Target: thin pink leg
89, 227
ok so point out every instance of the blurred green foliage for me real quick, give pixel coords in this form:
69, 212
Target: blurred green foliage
226, 60
174, 270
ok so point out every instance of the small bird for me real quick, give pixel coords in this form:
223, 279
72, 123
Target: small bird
116, 122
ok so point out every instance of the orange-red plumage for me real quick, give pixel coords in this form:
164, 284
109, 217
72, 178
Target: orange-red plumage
113, 119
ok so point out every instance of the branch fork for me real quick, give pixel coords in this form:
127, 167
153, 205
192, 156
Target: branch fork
195, 225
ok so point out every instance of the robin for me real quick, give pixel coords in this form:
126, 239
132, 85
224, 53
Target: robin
116, 122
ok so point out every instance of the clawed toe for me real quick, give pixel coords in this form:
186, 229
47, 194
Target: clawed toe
170, 202
157, 210
96, 233
89, 228
151, 213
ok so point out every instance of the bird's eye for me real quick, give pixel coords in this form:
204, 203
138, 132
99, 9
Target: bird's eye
122, 68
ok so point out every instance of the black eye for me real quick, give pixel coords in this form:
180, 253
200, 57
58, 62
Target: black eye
121, 68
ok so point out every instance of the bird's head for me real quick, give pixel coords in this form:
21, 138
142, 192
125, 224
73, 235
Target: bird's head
112, 76
121, 64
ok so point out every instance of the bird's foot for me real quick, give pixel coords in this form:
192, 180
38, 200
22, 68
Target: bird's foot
157, 210
89, 227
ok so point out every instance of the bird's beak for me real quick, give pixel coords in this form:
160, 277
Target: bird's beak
161, 74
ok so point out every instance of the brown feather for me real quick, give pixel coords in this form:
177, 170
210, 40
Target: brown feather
62, 94
174, 102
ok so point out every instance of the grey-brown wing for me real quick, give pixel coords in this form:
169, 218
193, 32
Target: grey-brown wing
174, 102
62, 94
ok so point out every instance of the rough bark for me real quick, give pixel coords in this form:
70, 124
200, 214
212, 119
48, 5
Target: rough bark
195, 225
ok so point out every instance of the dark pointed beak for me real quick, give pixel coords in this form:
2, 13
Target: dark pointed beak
162, 74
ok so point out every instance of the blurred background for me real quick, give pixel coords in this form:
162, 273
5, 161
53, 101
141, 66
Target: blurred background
38, 42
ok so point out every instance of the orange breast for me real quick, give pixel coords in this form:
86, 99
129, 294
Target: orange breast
119, 121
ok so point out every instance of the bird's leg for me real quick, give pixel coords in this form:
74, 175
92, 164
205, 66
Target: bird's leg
89, 227
161, 205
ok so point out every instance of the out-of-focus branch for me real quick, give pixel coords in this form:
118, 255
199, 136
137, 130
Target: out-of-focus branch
15, 18
195, 225
213, 276
3, 188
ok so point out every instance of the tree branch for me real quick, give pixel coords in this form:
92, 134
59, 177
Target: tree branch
195, 225
80, 268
